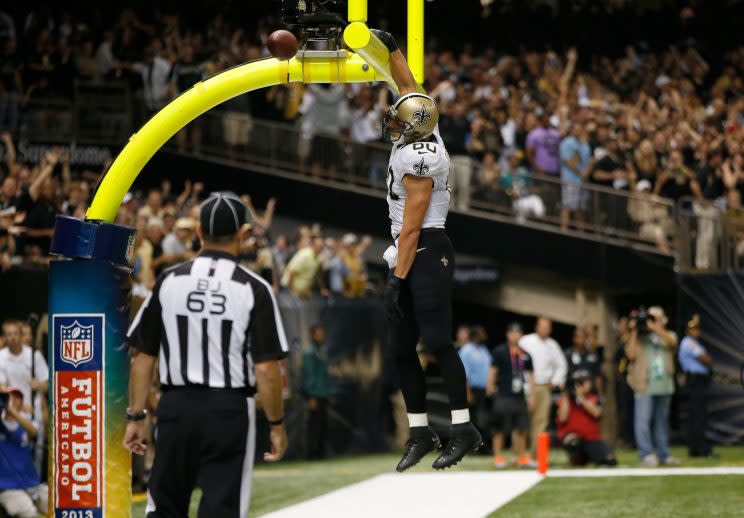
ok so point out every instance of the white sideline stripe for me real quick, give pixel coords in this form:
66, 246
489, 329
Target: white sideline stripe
643, 472
434, 495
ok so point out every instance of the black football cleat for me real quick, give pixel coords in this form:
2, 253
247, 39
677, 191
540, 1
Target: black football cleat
464, 439
422, 441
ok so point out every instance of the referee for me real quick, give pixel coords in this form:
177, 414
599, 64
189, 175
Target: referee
215, 328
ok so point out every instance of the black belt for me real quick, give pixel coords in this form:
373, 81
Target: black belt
246, 391
427, 230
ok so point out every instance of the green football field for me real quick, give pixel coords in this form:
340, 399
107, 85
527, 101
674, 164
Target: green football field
277, 486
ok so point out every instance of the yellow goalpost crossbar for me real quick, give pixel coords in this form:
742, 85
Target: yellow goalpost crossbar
369, 63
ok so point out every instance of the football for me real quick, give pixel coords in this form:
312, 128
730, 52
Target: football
282, 44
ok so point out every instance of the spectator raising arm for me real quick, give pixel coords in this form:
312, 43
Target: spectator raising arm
45, 171
10, 153
185, 194
66, 173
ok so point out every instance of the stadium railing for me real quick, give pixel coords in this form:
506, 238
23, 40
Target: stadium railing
96, 113
710, 237
608, 213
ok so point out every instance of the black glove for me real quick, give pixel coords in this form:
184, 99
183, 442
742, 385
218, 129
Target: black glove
386, 38
392, 298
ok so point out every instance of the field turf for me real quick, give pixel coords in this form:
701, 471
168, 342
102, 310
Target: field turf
277, 486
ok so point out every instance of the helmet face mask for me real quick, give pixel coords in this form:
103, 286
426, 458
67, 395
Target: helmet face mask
393, 125
413, 117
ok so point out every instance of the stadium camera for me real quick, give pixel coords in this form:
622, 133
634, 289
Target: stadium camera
642, 317
320, 20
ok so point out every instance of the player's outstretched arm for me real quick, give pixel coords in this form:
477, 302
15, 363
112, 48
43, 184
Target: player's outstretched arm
418, 196
399, 68
402, 73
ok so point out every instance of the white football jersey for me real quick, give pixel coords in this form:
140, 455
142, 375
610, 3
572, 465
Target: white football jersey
427, 158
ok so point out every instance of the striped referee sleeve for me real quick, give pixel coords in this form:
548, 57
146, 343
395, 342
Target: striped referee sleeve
266, 330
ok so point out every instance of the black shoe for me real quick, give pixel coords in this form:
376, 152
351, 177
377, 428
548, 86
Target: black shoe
423, 441
464, 439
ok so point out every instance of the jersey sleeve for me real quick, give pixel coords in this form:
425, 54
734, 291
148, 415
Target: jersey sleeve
419, 159
146, 331
266, 329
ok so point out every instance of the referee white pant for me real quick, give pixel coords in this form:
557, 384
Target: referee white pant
206, 438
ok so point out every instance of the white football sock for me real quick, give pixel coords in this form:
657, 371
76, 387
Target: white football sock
417, 420
460, 416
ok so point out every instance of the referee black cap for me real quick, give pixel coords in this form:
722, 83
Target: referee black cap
222, 214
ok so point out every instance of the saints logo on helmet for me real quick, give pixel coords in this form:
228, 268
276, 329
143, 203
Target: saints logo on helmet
421, 117
413, 117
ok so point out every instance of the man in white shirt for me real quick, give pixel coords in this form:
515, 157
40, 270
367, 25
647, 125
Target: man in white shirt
21, 370
550, 370
155, 72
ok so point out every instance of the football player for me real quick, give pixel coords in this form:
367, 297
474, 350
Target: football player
418, 295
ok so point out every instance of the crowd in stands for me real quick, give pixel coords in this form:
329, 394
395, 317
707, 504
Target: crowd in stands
305, 264
529, 131
32, 196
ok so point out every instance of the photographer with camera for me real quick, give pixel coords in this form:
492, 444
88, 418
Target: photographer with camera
21, 494
651, 349
579, 411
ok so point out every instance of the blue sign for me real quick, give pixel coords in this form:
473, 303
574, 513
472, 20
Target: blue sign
78, 341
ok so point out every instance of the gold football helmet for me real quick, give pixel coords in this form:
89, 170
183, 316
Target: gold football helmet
413, 117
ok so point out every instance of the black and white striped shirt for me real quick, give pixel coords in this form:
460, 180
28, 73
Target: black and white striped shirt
209, 320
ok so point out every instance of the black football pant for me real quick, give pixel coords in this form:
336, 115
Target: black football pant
205, 438
697, 388
426, 301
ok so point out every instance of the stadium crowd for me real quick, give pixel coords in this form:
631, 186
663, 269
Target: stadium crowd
534, 131
529, 131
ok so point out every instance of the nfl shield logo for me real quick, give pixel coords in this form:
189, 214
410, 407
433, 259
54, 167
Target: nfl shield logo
77, 343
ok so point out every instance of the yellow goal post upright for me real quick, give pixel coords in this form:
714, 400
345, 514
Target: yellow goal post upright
90, 472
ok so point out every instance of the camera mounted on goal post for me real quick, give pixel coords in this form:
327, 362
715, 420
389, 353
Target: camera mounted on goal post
322, 22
